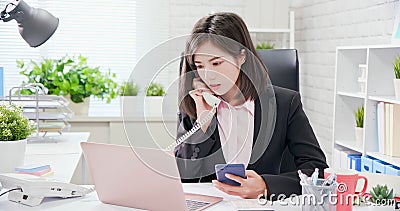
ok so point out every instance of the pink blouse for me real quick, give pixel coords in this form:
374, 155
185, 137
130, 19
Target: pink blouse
236, 128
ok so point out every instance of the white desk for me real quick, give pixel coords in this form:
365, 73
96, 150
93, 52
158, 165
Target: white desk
91, 202
63, 155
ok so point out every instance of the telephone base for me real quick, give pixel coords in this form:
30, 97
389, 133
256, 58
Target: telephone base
34, 189
25, 199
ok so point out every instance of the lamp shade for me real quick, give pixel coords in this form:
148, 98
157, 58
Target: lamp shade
35, 25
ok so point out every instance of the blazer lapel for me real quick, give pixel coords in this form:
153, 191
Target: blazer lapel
264, 121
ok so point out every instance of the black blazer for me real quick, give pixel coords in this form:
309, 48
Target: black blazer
198, 155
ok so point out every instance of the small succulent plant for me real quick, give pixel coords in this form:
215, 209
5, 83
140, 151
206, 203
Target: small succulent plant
380, 194
359, 114
396, 67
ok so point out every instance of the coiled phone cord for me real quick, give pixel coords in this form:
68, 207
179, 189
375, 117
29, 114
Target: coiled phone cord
196, 127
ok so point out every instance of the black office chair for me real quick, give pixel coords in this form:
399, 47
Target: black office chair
283, 67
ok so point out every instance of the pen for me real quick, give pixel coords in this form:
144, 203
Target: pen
329, 180
314, 176
303, 177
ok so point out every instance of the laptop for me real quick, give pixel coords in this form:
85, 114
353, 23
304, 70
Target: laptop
141, 178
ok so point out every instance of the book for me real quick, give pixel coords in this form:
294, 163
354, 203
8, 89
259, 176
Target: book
37, 173
380, 117
48, 174
387, 128
394, 130
32, 168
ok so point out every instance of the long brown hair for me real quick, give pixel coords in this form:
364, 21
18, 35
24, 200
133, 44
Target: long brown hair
229, 32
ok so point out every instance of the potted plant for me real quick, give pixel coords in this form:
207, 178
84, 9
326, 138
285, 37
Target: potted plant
154, 97
359, 129
380, 197
71, 77
265, 46
128, 92
14, 129
396, 80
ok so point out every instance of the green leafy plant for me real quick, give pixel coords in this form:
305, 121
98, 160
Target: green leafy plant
129, 89
396, 67
359, 114
155, 89
380, 194
265, 45
70, 75
13, 125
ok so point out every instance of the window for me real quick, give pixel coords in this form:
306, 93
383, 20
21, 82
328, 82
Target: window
111, 34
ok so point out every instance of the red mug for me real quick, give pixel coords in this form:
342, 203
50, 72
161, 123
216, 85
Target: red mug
346, 189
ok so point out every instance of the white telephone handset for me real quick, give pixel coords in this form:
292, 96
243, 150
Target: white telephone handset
210, 100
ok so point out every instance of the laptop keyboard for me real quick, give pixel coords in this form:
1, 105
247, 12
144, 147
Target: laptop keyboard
194, 205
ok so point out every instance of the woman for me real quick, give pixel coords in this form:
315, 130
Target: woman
254, 122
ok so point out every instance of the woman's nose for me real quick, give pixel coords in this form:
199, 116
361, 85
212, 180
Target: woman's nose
209, 74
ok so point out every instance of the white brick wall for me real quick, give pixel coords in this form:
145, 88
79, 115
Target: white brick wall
320, 27
256, 13
185, 13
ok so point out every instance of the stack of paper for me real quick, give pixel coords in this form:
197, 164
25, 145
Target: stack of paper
36, 169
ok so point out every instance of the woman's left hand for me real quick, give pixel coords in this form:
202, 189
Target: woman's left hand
251, 187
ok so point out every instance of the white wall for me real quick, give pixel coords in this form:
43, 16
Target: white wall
256, 13
321, 25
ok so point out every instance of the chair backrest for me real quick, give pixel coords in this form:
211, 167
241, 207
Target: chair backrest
283, 67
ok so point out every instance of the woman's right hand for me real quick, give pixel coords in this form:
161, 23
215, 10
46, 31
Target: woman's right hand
202, 108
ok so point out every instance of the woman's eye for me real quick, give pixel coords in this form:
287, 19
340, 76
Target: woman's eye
199, 67
217, 63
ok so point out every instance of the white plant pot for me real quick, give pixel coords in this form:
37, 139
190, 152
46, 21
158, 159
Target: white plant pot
12, 154
153, 106
79, 109
359, 131
128, 106
397, 88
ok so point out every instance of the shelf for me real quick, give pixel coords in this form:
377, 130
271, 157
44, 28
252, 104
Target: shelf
351, 47
351, 94
52, 127
350, 145
48, 115
388, 99
121, 119
387, 46
392, 160
288, 34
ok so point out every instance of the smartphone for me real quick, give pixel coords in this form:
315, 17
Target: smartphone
235, 169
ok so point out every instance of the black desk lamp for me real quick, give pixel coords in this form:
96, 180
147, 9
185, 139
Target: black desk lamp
35, 25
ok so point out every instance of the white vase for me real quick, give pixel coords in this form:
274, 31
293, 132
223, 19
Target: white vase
397, 88
153, 106
359, 131
79, 109
12, 154
128, 106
